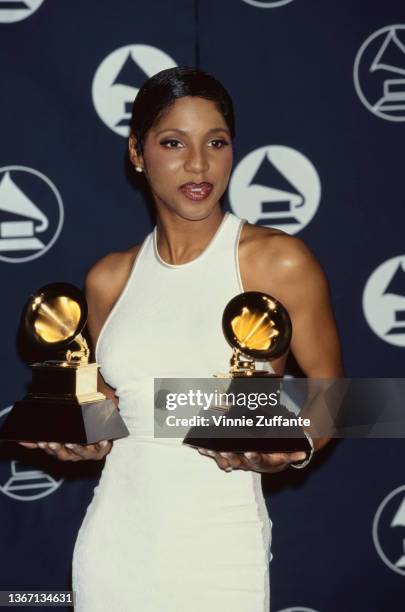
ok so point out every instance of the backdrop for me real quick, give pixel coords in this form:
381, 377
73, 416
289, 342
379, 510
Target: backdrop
319, 92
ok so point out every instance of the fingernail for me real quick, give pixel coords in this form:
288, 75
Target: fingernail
299, 456
211, 453
53, 445
103, 443
228, 469
41, 444
249, 455
69, 445
226, 455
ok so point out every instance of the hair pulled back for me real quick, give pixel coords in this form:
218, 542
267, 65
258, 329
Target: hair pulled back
160, 91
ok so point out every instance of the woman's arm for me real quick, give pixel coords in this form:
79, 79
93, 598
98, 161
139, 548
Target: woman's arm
284, 267
304, 290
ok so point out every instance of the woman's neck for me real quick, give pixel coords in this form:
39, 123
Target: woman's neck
181, 240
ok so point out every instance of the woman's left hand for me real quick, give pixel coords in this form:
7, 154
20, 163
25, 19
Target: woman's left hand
256, 462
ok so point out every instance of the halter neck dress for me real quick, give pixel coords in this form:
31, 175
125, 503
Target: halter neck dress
167, 530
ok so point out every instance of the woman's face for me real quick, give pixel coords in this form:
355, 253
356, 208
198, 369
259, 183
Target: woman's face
187, 158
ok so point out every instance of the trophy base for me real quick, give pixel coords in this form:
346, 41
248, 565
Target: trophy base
63, 420
254, 374
256, 445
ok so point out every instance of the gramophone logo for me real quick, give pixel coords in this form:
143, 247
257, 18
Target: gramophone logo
379, 73
16, 10
275, 186
384, 301
31, 214
24, 482
118, 79
267, 3
389, 530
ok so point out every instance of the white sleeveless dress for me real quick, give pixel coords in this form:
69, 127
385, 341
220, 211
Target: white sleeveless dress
167, 530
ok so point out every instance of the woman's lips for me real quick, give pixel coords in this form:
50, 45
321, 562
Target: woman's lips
196, 191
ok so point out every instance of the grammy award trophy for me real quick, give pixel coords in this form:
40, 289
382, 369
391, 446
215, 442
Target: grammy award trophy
258, 328
63, 404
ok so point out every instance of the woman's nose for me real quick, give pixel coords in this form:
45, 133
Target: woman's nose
196, 161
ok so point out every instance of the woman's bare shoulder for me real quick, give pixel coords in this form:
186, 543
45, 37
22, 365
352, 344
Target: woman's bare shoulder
271, 242
108, 276
269, 256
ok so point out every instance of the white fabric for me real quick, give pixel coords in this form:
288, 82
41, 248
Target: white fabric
167, 530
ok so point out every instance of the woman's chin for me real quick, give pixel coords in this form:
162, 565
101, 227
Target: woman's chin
196, 211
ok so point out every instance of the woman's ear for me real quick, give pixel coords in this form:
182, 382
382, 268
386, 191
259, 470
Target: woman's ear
134, 156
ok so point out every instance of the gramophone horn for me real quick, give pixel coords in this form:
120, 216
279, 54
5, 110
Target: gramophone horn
258, 325
55, 315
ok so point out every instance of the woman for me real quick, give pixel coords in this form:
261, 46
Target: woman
166, 529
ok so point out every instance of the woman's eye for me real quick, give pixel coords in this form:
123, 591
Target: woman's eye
219, 143
170, 143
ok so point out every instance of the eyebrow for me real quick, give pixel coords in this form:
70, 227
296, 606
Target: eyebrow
218, 129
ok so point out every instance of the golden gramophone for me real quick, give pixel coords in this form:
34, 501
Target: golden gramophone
258, 328
63, 404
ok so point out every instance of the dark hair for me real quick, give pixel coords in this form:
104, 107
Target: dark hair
159, 92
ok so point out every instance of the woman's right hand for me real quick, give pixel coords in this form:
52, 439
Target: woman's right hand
72, 452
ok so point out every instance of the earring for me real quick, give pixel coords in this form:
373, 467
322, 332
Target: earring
138, 168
